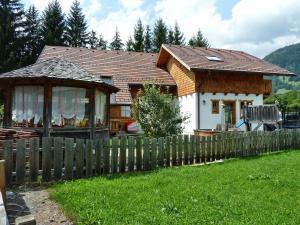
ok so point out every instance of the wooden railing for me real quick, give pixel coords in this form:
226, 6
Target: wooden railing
59, 158
267, 87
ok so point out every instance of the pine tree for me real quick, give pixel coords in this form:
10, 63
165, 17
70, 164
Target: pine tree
11, 28
199, 40
170, 39
138, 37
116, 43
130, 45
148, 40
160, 34
102, 44
76, 26
93, 40
53, 28
178, 35
32, 32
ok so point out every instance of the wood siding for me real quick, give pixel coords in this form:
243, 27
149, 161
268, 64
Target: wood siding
184, 78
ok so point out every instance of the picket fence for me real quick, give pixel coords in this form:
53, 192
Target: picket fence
49, 159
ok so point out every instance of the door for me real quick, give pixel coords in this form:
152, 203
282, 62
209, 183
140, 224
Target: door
230, 114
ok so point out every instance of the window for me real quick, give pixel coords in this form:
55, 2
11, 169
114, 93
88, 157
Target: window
100, 109
125, 111
28, 104
214, 58
109, 80
215, 106
70, 107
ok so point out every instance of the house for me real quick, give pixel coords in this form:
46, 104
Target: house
56, 97
206, 80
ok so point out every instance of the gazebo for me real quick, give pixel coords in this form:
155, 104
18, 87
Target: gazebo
56, 98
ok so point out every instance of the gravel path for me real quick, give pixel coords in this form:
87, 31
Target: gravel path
35, 201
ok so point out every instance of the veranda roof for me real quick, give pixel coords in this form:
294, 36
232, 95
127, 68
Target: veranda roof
57, 68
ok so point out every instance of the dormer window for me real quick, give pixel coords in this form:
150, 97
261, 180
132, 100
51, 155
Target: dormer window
214, 58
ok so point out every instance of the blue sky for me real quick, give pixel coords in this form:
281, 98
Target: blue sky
255, 26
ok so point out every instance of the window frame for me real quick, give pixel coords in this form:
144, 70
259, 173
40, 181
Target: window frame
213, 109
126, 111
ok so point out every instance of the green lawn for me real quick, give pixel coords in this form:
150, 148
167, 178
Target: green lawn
262, 190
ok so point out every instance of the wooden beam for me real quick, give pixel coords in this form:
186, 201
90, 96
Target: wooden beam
92, 93
108, 110
3, 181
47, 109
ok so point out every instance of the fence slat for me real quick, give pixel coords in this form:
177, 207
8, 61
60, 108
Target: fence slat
139, 153
8, 157
69, 158
168, 151
114, 155
47, 158
192, 149
180, 148
20, 161
131, 148
123, 149
153, 153
186, 149
146, 154
161, 150
79, 157
89, 158
58, 157
106, 156
98, 159
197, 149
34, 159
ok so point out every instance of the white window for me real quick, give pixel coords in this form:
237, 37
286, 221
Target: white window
125, 111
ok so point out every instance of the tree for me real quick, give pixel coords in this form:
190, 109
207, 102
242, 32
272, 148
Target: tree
116, 43
157, 113
53, 28
102, 44
130, 45
11, 28
160, 34
178, 35
76, 26
199, 40
148, 40
170, 36
138, 36
93, 40
33, 36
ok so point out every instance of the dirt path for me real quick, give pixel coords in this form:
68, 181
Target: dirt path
34, 201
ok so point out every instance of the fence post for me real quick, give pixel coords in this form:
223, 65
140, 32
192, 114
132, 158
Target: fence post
153, 153
161, 150
174, 150
20, 161
168, 151
198, 149
47, 158
89, 158
131, 148
146, 154
69, 158
186, 149
180, 150
139, 153
3, 180
192, 149
8, 157
58, 157
34, 158
114, 155
123, 149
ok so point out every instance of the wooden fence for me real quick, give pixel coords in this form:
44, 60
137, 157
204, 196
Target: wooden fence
3, 215
58, 158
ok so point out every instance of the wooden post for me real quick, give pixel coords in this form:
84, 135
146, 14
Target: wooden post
69, 158
8, 156
8, 106
47, 108
20, 161
58, 157
146, 152
114, 155
34, 159
108, 111
92, 106
3, 180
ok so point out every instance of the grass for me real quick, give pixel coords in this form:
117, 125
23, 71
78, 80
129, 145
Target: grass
259, 190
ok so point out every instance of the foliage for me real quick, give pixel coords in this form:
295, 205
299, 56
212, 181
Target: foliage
102, 44
287, 100
138, 44
160, 34
240, 192
158, 113
76, 26
53, 28
178, 35
33, 36
93, 40
288, 58
11, 40
199, 40
148, 40
130, 45
170, 38
116, 43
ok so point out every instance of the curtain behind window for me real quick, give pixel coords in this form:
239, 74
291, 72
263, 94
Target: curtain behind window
100, 108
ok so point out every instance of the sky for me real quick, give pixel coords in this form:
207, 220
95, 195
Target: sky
257, 27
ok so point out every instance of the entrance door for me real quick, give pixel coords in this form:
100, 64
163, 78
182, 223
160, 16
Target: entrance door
230, 114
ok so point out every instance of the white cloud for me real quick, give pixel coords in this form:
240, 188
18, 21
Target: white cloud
131, 4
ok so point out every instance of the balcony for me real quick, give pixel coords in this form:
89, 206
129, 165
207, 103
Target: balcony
267, 87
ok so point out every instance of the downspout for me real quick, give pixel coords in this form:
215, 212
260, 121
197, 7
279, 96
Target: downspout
198, 110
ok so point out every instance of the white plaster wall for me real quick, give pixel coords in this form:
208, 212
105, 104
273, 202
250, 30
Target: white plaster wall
209, 120
188, 107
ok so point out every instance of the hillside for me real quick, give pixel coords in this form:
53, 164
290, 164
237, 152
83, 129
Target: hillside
289, 58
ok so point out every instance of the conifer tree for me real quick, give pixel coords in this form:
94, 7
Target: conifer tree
53, 28
130, 45
138, 35
102, 44
93, 40
170, 39
199, 40
160, 34
76, 26
116, 43
178, 35
148, 40
33, 38
11, 27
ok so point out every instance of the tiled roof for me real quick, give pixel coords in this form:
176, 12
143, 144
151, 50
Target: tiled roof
195, 58
55, 68
123, 67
